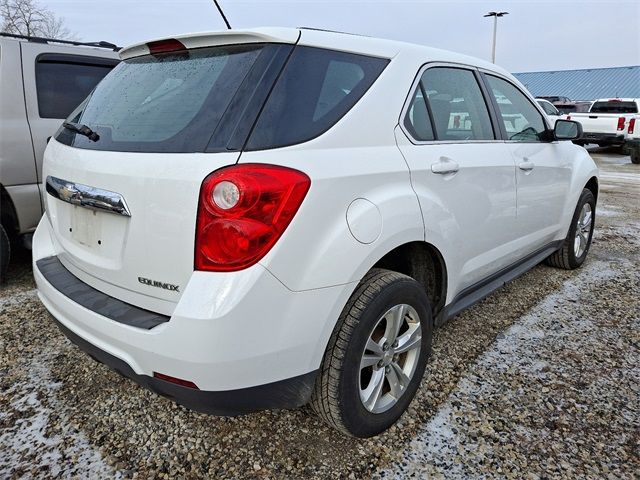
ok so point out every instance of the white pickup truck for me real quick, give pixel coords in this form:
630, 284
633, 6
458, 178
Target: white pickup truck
611, 122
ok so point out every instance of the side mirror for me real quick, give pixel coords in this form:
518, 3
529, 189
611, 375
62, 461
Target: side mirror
567, 130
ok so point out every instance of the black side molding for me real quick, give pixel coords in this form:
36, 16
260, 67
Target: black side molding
72, 287
473, 294
289, 393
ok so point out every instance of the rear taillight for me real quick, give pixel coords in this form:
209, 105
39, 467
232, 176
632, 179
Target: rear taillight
621, 121
568, 117
632, 126
243, 211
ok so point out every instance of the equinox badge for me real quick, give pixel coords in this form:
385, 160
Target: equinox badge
155, 283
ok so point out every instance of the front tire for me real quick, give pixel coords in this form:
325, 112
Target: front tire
376, 356
576, 245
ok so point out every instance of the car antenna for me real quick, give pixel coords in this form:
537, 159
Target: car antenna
226, 22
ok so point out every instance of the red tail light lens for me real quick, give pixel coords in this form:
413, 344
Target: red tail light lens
632, 125
621, 123
243, 211
568, 117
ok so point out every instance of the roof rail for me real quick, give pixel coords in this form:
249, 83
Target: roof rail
101, 44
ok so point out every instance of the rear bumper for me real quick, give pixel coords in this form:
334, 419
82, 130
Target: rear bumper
603, 138
243, 338
289, 393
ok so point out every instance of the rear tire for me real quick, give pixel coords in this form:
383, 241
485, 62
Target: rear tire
634, 153
5, 254
346, 393
576, 245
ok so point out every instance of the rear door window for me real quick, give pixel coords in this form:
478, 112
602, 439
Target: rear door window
316, 89
522, 121
457, 105
417, 120
64, 81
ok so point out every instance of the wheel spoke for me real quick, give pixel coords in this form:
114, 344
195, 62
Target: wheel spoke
410, 339
371, 394
369, 360
398, 380
395, 319
586, 220
374, 347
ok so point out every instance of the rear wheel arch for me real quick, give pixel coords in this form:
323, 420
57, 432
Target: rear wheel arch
424, 263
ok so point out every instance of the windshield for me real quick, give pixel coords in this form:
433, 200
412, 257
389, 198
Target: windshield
165, 102
614, 107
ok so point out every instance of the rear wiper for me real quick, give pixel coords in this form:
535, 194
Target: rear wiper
82, 130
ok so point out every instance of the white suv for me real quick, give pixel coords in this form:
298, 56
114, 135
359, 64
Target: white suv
266, 218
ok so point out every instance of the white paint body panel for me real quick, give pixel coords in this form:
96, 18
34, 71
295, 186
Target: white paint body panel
272, 321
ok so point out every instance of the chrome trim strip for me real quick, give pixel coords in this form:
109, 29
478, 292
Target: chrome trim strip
86, 196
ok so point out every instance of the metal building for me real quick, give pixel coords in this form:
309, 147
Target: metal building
585, 84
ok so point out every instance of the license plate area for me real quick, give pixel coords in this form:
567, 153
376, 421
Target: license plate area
86, 227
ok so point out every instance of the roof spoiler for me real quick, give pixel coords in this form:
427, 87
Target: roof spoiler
212, 39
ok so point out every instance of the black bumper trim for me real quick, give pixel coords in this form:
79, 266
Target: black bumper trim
72, 287
290, 393
608, 138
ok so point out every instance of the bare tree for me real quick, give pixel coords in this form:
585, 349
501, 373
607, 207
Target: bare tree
28, 17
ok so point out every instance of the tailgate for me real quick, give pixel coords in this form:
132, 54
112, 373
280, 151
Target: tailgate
598, 123
148, 252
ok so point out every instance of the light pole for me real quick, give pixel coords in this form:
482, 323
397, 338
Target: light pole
495, 16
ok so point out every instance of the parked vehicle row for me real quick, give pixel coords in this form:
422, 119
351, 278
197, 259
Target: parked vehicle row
42, 82
612, 122
272, 217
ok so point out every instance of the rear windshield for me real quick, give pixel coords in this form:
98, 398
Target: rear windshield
168, 102
614, 107
210, 99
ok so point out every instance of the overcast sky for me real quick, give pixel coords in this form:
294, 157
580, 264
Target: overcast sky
540, 35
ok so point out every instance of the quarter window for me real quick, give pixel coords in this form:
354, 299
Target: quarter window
457, 106
522, 121
64, 81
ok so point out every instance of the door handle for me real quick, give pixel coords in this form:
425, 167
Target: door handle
527, 166
444, 166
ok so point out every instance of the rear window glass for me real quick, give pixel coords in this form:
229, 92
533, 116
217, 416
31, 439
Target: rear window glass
614, 107
64, 81
169, 102
316, 89
213, 99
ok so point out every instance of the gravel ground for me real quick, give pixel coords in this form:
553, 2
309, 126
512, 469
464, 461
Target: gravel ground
540, 380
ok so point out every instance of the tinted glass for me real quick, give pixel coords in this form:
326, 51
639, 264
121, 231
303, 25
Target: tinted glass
417, 120
316, 89
614, 107
168, 102
457, 105
548, 108
62, 85
522, 121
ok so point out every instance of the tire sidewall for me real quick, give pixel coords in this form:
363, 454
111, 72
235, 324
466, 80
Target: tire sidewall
359, 421
585, 197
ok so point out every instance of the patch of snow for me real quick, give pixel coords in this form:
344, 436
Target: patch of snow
439, 444
31, 443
